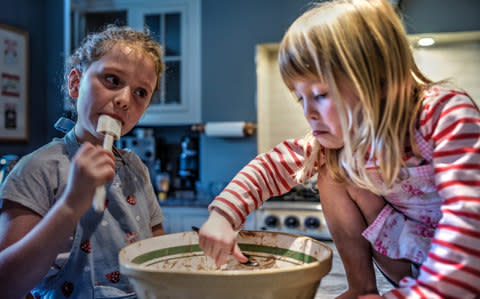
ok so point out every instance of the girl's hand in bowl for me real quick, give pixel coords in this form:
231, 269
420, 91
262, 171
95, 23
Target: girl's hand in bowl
218, 239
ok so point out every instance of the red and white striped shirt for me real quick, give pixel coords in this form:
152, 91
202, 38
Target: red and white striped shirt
450, 123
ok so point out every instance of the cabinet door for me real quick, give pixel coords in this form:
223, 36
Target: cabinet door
176, 25
181, 219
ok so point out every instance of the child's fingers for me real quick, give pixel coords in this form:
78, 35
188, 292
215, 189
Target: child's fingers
238, 255
103, 157
206, 248
204, 243
216, 251
96, 162
91, 167
221, 257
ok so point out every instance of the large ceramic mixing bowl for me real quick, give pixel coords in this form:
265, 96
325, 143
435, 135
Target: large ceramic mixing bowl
174, 266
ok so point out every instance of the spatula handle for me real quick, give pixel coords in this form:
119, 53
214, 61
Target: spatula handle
99, 198
101, 191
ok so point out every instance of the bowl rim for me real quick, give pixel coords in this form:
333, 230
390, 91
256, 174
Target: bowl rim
128, 265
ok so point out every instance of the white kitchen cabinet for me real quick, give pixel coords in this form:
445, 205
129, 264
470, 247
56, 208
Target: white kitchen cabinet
176, 24
181, 219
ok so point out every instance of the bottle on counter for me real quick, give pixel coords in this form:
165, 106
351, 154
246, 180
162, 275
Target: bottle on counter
162, 181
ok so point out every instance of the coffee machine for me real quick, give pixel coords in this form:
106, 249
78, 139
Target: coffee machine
142, 144
6, 164
188, 163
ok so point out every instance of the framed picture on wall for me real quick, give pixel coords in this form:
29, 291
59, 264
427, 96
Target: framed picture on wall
13, 84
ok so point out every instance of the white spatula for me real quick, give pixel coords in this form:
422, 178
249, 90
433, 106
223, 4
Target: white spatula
111, 128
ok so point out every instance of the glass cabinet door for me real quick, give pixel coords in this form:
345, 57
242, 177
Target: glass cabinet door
166, 29
175, 24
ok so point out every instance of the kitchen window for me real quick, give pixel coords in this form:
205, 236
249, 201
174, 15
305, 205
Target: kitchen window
173, 23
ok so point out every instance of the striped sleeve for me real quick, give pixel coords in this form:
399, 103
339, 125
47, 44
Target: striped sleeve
450, 121
269, 174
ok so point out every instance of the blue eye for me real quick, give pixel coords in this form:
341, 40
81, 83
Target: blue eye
320, 96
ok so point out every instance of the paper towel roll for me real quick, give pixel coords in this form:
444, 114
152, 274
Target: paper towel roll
234, 129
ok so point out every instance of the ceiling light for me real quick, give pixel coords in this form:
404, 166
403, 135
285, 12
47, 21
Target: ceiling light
426, 42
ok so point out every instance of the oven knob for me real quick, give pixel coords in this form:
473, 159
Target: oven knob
291, 222
312, 222
271, 221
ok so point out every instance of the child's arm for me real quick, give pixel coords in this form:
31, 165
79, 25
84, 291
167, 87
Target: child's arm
269, 174
29, 244
452, 268
158, 230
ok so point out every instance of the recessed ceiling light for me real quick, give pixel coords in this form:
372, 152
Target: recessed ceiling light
426, 42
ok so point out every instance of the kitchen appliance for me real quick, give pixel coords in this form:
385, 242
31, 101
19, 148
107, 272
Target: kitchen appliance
297, 212
6, 164
188, 163
143, 144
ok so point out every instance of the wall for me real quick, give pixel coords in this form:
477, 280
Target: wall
441, 15
54, 58
29, 15
230, 32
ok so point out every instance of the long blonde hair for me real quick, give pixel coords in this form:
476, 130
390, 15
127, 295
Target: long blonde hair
362, 43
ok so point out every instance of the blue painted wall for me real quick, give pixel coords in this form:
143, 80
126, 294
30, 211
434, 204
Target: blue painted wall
230, 31
29, 15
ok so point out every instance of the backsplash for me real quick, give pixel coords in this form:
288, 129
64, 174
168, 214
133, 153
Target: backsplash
455, 56
279, 115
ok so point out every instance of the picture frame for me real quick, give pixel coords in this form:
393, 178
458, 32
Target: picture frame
14, 124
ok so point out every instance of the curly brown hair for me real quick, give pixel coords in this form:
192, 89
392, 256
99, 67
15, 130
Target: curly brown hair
95, 45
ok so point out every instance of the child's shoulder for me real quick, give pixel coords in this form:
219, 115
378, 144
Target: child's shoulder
437, 96
129, 155
132, 159
52, 151
444, 105
47, 163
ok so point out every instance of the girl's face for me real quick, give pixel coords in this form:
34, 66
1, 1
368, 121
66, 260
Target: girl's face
320, 110
119, 84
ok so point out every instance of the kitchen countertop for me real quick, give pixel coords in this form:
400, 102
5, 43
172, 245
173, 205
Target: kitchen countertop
184, 203
198, 202
186, 200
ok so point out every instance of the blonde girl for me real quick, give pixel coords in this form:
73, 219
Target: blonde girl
397, 156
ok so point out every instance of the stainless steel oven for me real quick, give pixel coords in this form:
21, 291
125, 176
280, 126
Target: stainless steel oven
298, 212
